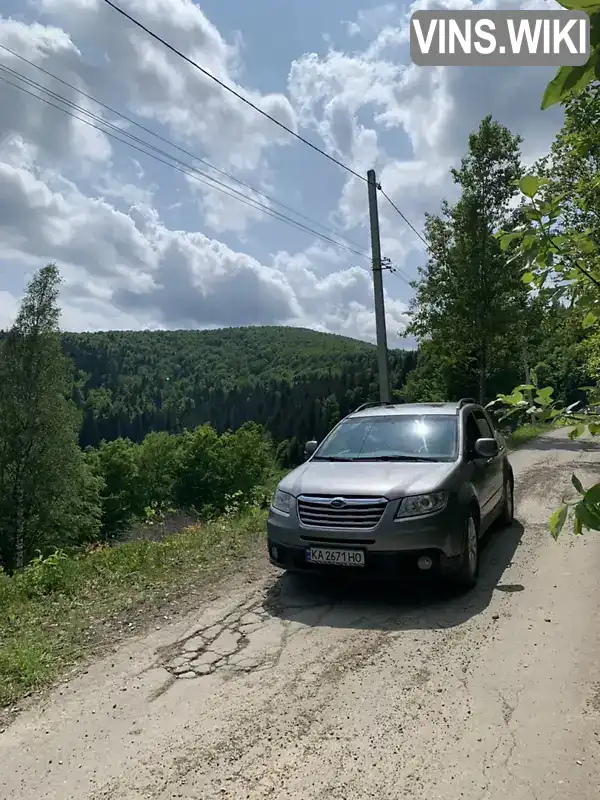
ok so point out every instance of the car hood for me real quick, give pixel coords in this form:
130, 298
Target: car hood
389, 479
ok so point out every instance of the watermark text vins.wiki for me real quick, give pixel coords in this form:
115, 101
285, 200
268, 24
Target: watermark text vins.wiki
497, 38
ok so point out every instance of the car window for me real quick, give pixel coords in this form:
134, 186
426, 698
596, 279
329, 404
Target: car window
472, 432
491, 421
395, 436
485, 431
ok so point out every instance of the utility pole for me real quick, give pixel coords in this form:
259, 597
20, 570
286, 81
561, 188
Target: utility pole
382, 350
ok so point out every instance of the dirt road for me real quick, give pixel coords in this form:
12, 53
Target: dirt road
282, 690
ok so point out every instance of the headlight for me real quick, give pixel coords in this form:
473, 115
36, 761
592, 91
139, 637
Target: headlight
282, 501
422, 504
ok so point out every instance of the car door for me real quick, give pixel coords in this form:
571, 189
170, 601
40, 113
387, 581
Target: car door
494, 466
482, 467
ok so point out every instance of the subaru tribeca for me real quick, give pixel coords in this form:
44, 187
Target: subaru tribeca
395, 489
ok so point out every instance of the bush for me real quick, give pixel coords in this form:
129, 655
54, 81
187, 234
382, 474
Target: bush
43, 576
213, 468
198, 470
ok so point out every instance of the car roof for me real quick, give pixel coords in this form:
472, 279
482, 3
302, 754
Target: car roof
405, 409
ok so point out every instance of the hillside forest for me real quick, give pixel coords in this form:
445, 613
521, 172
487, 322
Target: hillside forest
100, 430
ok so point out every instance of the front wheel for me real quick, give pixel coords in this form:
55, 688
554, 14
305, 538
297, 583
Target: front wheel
508, 502
467, 574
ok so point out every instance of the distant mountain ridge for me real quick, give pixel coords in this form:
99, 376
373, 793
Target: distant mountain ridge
294, 381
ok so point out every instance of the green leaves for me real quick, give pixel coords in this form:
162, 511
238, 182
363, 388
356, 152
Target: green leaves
506, 239
544, 396
557, 521
525, 387
590, 6
592, 496
471, 335
530, 185
570, 81
577, 431
588, 515
589, 320
543, 408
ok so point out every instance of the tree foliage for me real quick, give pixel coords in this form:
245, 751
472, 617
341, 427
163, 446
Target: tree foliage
468, 298
47, 493
198, 470
569, 82
558, 240
294, 382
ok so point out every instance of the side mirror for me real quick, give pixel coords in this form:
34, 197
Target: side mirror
309, 448
486, 448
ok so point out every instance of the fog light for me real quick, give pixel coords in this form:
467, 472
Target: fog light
424, 562
275, 553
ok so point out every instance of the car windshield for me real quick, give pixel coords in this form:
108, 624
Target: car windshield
401, 437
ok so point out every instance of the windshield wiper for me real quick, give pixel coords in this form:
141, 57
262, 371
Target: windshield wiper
332, 458
394, 458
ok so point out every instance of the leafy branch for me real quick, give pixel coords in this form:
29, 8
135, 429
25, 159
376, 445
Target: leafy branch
569, 81
538, 406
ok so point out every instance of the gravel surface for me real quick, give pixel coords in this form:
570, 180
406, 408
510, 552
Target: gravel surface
283, 689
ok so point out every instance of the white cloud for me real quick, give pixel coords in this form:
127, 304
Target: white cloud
132, 264
161, 87
435, 109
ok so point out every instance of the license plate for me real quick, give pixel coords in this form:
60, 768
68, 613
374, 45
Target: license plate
338, 558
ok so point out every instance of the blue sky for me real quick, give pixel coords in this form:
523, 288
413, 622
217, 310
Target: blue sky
141, 245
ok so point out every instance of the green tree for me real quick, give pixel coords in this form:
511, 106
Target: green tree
197, 485
48, 497
558, 241
158, 463
213, 467
468, 297
116, 464
331, 412
558, 237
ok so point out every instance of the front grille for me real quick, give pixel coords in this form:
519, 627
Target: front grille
361, 513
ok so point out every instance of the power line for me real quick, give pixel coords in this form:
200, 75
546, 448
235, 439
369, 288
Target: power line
163, 139
396, 271
232, 91
185, 168
408, 222
245, 100
386, 264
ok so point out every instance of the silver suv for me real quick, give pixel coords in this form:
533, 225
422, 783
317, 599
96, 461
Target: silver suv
395, 489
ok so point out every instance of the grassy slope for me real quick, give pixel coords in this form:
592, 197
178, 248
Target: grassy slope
525, 433
55, 614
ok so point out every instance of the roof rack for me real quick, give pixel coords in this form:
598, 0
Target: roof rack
466, 401
373, 404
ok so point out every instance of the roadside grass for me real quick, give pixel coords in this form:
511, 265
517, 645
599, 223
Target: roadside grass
525, 433
65, 607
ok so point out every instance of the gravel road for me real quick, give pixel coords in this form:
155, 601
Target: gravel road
282, 689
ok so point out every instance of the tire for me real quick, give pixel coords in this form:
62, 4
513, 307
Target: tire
508, 502
467, 574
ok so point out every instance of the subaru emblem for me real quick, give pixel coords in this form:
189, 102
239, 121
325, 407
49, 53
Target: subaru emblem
338, 502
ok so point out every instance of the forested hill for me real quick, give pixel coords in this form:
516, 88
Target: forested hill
294, 381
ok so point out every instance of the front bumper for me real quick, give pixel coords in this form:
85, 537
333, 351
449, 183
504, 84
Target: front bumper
390, 549
381, 565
